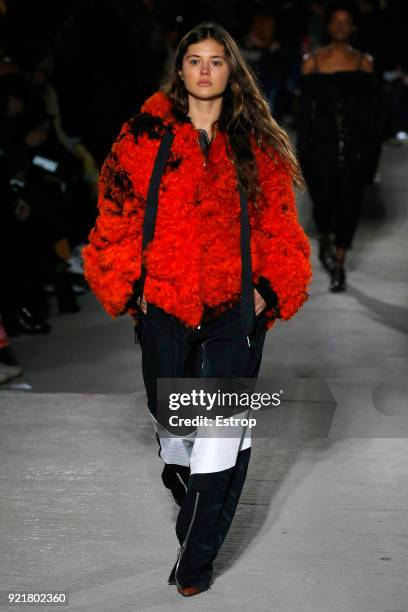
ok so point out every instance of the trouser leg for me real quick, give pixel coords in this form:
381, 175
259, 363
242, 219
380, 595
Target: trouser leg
351, 187
218, 465
163, 357
319, 176
175, 477
205, 518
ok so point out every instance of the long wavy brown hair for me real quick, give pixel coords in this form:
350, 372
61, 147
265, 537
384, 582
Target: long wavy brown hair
245, 110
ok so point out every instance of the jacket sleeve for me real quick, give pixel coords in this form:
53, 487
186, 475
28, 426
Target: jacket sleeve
283, 248
112, 257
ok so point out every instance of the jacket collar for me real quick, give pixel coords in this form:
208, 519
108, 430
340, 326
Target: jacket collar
160, 105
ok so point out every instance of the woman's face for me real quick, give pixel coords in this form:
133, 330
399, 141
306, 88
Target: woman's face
205, 71
340, 26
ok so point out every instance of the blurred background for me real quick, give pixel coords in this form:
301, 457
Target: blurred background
84, 508
72, 71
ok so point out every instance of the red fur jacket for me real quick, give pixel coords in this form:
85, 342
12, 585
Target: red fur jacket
194, 259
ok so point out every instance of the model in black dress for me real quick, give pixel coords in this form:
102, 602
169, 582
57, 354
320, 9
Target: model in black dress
338, 138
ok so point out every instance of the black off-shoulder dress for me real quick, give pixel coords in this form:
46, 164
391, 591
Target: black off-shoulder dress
338, 142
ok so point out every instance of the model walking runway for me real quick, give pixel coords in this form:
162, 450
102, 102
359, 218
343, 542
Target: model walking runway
198, 239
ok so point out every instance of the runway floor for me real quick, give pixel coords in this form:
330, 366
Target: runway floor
322, 523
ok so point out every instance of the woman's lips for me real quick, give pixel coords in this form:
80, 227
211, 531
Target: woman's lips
204, 83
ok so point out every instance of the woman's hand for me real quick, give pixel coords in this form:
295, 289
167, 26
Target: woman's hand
260, 303
143, 304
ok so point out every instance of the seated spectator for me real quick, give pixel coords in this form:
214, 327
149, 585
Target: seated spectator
36, 62
33, 214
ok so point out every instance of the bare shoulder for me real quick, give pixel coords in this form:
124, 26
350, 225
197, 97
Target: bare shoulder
308, 63
367, 62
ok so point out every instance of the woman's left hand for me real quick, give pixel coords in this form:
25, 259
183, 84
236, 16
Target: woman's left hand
260, 303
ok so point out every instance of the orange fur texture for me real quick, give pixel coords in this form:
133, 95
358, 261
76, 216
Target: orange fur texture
194, 258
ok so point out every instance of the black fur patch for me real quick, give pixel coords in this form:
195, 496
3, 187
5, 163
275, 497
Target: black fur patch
172, 162
144, 123
118, 186
181, 116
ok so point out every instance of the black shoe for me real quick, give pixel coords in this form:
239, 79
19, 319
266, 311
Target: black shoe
32, 323
337, 278
326, 251
25, 320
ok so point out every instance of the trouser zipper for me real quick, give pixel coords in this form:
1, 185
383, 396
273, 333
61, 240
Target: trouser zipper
183, 546
182, 481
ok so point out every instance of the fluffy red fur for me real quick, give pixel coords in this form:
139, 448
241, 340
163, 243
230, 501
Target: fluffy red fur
194, 259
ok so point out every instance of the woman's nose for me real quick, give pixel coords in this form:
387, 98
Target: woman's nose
204, 69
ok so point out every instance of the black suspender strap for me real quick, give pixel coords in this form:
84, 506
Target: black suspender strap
247, 293
149, 220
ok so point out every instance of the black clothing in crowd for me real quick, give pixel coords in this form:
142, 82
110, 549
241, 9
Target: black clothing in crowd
339, 141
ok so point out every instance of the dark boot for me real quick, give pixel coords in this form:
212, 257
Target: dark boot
25, 320
337, 278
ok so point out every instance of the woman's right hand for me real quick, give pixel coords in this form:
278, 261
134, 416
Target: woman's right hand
143, 304
136, 313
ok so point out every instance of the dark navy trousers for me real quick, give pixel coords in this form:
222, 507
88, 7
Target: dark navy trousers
205, 475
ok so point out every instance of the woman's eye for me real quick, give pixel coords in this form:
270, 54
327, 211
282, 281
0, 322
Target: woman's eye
196, 61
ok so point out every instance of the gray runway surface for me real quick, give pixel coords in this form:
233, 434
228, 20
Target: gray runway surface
322, 523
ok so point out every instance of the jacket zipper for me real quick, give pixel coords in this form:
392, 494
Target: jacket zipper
183, 546
205, 164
